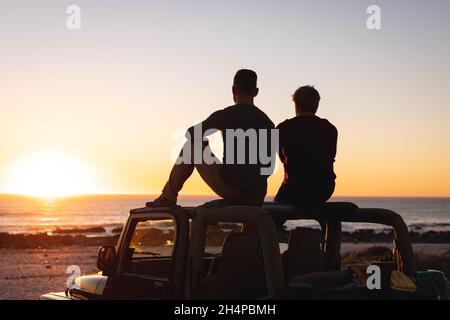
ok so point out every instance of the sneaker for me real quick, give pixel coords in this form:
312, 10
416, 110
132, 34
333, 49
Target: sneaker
161, 203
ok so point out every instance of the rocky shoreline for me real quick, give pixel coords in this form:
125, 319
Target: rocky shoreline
85, 237
371, 236
44, 241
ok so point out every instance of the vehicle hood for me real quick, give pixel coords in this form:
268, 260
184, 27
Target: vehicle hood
94, 283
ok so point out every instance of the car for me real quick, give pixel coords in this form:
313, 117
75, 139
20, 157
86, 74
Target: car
220, 251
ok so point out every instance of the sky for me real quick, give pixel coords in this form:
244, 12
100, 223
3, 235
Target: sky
106, 101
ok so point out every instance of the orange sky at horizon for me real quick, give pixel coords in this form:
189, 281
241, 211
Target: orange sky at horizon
95, 110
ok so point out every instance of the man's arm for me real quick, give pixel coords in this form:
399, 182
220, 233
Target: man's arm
213, 123
334, 134
281, 154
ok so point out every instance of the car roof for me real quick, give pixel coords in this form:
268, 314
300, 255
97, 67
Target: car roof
287, 212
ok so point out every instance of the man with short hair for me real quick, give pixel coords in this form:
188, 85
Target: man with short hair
307, 149
234, 181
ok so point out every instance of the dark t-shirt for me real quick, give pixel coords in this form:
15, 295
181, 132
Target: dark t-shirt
308, 150
246, 177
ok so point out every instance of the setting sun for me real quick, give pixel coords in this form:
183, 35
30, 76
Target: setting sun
50, 175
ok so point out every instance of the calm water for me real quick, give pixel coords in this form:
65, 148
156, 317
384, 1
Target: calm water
29, 215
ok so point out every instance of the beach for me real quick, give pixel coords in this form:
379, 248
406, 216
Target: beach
40, 239
29, 273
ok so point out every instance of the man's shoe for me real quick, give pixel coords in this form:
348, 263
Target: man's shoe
161, 203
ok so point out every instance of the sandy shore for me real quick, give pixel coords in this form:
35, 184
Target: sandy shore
28, 273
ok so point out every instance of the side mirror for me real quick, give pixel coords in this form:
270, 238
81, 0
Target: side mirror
106, 260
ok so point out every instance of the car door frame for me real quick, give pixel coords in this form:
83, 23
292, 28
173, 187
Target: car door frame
177, 277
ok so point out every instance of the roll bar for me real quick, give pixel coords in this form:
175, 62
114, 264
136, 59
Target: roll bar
252, 215
334, 213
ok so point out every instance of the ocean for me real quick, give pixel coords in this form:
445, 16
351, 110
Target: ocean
19, 214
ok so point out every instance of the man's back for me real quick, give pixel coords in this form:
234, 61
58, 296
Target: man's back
243, 177
308, 150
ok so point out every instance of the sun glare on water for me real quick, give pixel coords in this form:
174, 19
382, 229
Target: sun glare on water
50, 175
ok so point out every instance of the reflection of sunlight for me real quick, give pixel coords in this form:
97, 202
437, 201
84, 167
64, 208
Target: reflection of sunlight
49, 219
49, 175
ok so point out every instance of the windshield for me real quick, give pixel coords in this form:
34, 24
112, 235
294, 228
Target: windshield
153, 238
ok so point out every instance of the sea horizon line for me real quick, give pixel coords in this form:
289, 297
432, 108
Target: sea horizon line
150, 195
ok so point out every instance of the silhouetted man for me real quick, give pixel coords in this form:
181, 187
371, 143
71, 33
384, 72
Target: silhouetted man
235, 180
307, 149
